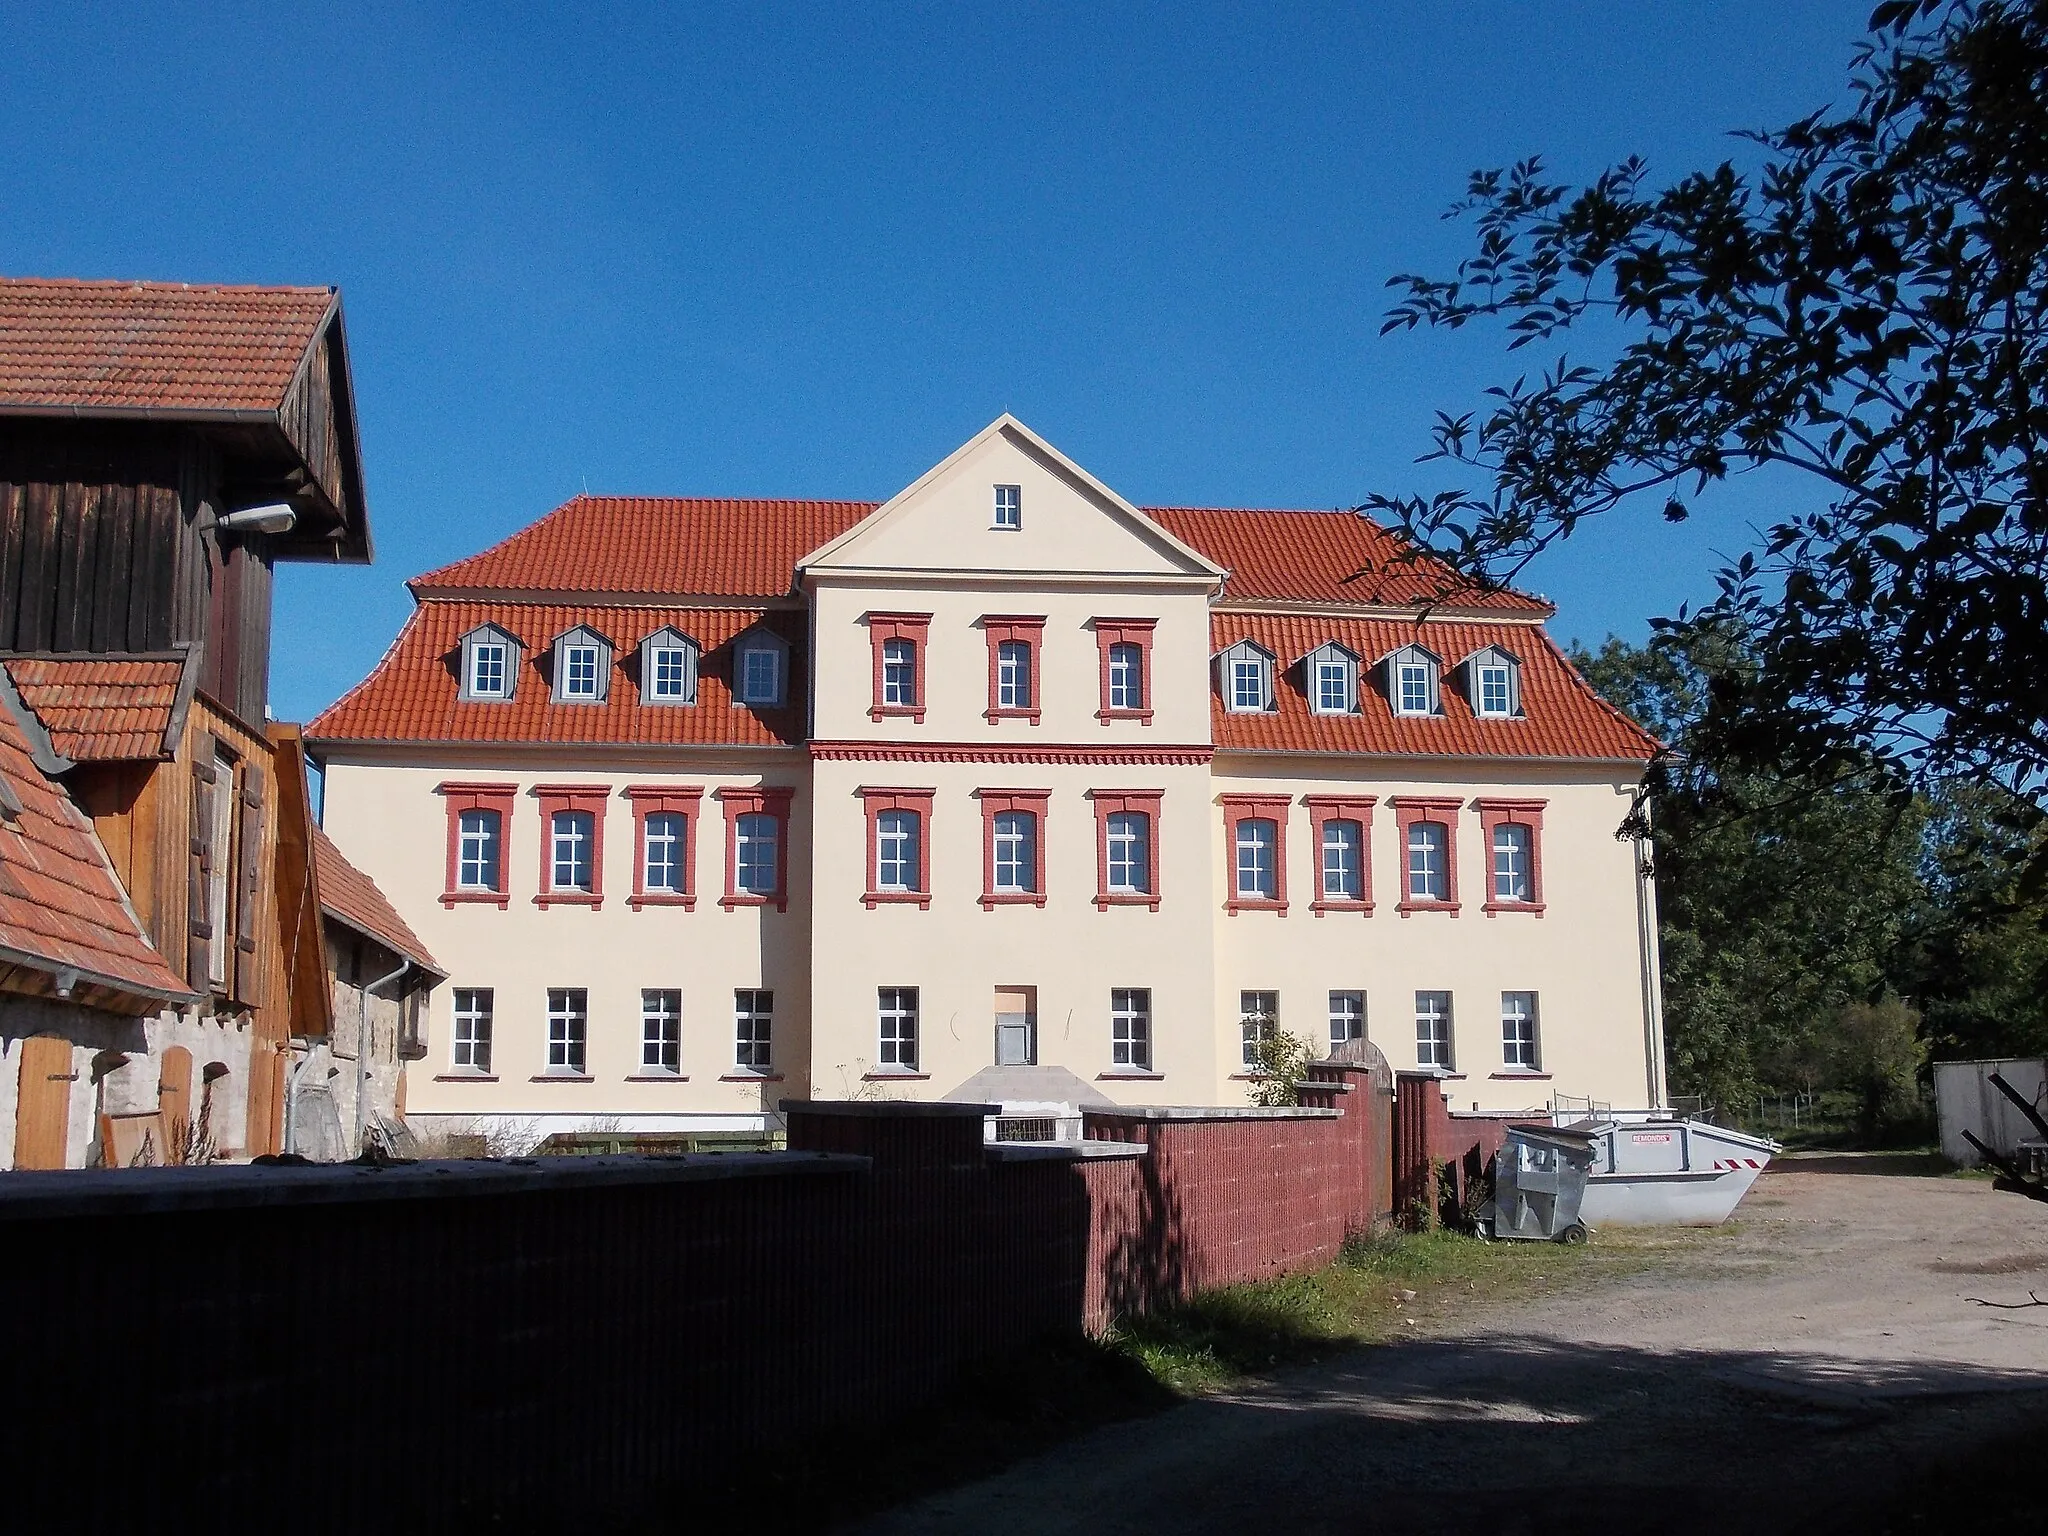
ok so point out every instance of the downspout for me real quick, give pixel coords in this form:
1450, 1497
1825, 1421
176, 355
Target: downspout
363, 1055
1650, 962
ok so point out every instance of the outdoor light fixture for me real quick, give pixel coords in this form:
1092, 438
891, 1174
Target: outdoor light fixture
271, 517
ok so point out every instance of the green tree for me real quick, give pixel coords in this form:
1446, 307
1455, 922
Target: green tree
1867, 309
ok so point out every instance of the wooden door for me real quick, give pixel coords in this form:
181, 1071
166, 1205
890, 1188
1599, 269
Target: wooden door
42, 1122
174, 1102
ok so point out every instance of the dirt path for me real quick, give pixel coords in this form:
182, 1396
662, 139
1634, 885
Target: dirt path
1773, 1377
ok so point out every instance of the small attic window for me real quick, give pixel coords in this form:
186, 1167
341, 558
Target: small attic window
1009, 508
1244, 675
1493, 681
1412, 682
668, 668
1329, 674
490, 663
760, 670
583, 666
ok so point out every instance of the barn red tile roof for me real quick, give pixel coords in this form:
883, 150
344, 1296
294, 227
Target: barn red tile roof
1323, 557
350, 896
668, 545
69, 344
412, 693
101, 708
1562, 717
60, 904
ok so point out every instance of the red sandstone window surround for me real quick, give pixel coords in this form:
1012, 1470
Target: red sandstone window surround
1322, 810
571, 799
1113, 803
1137, 633
492, 798
1409, 812
1237, 810
910, 629
916, 888
1527, 815
1001, 802
681, 800
1002, 629
772, 803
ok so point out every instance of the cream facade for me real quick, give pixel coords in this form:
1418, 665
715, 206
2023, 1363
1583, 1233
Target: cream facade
957, 810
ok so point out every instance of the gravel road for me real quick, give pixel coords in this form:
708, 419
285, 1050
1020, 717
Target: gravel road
1773, 1377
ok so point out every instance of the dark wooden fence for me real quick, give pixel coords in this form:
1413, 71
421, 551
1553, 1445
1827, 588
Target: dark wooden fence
551, 1343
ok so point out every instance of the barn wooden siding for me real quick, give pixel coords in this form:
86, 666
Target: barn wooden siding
601, 1343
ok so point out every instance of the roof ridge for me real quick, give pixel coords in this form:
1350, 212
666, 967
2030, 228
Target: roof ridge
160, 285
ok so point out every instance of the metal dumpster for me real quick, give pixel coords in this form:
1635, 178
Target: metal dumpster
1660, 1171
1539, 1180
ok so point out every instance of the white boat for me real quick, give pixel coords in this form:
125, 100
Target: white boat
1652, 1170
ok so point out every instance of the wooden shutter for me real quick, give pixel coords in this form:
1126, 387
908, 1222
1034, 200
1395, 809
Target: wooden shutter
248, 887
198, 916
43, 1116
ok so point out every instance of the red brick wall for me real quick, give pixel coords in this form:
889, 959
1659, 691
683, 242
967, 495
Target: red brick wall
1427, 1131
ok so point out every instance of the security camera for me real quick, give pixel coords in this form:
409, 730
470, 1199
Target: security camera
272, 517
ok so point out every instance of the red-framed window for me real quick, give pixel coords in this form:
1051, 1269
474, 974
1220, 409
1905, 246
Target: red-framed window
571, 844
1513, 835
1014, 676
1013, 846
756, 846
1124, 648
899, 830
1341, 833
664, 844
898, 641
1126, 847
1428, 841
1255, 852
479, 842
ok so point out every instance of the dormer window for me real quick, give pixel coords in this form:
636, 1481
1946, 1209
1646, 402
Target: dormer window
1009, 508
1330, 675
1493, 681
490, 663
1412, 686
1245, 676
583, 666
760, 670
668, 668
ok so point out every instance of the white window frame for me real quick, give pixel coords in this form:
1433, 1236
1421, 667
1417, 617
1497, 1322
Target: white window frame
1007, 508
1127, 857
469, 1042
488, 653
1257, 859
746, 680
667, 833
1412, 693
1429, 877
896, 1028
661, 1032
1013, 839
1126, 675
1253, 1006
899, 673
1332, 687
1335, 851
1521, 1040
582, 655
753, 1013
568, 1032
505, 653
749, 862
1130, 1029
898, 835
663, 685
479, 848
1347, 1008
1435, 1038
1483, 700
1512, 876
1247, 684
1013, 674
568, 832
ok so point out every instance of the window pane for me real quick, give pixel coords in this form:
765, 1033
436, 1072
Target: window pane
661, 1030
1414, 688
1016, 856
1129, 853
1332, 696
760, 675
1518, 1030
755, 836
1259, 1015
1347, 1017
487, 670
580, 671
1428, 877
1256, 841
1433, 1029
1013, 675
666, 850
476, 865
671, 679
574, 845
899, 673
1247, 683
1009, 509
472, 1043
1495, 696
1510, 862
1130, 1028
754, 1021
1126, 676
896, 1009
568, 1023
1343, 866
896, 866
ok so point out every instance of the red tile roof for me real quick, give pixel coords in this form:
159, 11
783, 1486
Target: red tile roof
60, 904
412, 693
1562, 717
101, 708
670, 546
350, 896
1323, 557
68, 344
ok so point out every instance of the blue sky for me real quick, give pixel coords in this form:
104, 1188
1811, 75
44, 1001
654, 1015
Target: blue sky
788, 250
